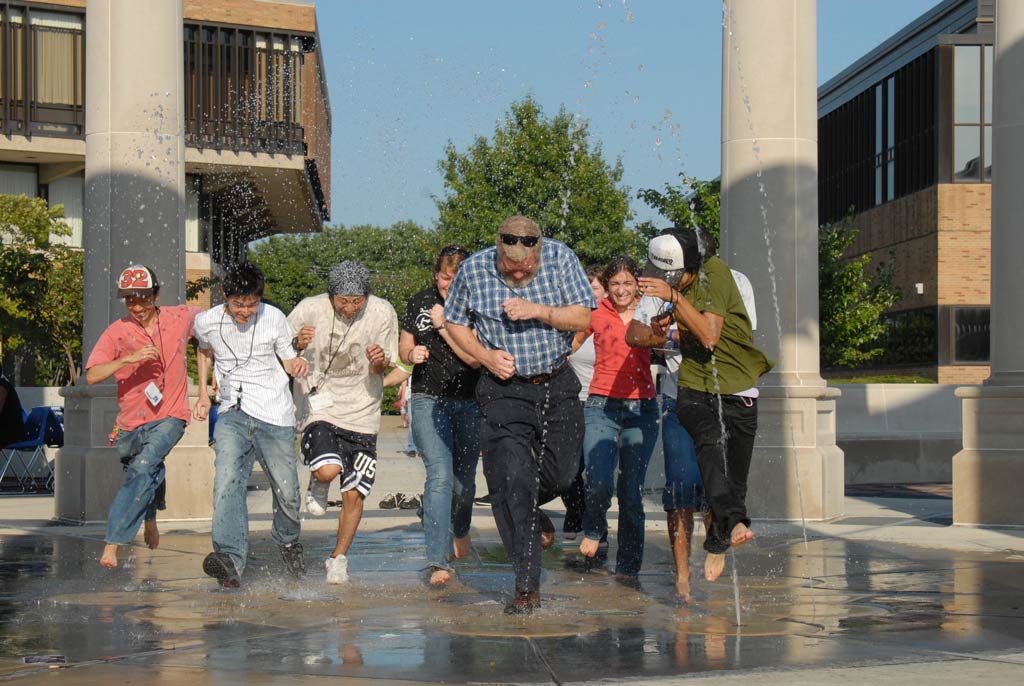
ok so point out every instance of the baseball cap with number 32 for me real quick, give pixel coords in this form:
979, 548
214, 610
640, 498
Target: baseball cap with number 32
137, 280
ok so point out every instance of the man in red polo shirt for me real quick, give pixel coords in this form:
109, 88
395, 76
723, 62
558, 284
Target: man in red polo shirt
146, 352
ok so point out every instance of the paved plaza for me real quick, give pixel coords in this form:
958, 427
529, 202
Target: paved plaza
889, 593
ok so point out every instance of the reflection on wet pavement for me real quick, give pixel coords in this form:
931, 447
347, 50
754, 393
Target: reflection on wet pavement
159, 619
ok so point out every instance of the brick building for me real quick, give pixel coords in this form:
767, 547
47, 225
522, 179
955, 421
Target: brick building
257, 119
904, 143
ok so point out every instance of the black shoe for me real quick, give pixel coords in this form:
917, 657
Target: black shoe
523, 603
629, 581
547, 530
221, 568
483, 500
413, 503
392, 501
293, 559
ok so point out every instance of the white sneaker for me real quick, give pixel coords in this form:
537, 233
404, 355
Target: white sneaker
316, 496
337, 569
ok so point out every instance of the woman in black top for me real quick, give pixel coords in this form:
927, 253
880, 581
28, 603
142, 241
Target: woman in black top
445, 418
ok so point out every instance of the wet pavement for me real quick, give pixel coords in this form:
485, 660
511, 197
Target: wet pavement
832, 602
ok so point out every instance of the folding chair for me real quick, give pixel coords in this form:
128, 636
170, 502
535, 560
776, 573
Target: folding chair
54, 439
34, 443
6, 457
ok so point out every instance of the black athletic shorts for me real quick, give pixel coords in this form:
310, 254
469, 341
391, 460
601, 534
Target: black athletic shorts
356, 454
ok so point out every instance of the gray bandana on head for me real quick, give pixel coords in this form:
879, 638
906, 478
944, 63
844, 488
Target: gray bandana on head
349, 278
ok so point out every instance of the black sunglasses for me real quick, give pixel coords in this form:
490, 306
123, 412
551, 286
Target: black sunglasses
512, 239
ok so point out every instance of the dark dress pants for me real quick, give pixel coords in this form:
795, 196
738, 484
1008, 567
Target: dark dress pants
531, 436
723, 430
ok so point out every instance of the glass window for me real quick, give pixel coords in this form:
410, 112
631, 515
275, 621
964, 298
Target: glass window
68, 192
879, 145
967, 153
988, 84
18, 179
966, 84
971, 334
192, 223
890, 142
890, 107
987, 148
57, 54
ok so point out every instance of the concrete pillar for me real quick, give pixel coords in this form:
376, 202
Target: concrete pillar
987, 470
769, 232
134, 152
134, 212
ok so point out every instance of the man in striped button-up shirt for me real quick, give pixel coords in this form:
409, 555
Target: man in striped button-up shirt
525, 298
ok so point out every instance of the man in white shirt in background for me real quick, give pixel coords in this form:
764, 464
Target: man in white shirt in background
249, 343
350, 339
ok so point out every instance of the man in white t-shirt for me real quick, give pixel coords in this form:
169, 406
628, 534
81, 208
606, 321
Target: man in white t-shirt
350, 339
249, 344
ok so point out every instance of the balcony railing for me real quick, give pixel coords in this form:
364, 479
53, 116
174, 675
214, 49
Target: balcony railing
243, 86
243, 89
42, 68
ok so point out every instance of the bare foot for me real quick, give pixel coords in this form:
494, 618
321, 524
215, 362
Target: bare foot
740, 534
109, 558
683, 587
714, 565
151, 534
588, 547
461, 546
440, 577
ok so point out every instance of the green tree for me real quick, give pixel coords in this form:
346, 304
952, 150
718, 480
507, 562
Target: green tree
41, 302
850, 299
690, 203
400, 259
60, 318
546, 169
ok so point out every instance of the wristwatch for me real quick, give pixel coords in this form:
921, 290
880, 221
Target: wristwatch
295, 343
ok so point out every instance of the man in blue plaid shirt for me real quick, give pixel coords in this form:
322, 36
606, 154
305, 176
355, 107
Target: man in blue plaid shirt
516, 307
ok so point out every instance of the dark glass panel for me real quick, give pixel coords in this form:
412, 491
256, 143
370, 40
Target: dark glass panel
971, 334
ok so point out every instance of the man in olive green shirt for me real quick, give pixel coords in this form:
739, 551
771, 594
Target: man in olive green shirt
717, 401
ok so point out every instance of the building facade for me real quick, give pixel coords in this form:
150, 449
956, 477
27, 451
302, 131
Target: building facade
904, 149
257, 119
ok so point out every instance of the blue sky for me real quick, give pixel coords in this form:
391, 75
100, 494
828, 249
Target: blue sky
407, 77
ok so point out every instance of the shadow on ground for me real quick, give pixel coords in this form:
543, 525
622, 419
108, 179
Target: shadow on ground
158, 620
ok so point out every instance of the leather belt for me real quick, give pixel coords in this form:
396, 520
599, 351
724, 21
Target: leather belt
543, 378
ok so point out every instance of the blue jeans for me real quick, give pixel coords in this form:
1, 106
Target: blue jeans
240, 441
684, 489
623, 432
447, 431
147, 445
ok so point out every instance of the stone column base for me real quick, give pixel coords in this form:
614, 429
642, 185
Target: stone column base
797, 470
88, 473
987, 472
